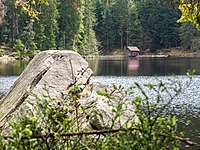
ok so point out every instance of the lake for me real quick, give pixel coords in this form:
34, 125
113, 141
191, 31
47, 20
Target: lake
143, 66
126, 71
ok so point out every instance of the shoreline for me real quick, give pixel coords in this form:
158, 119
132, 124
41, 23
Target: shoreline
143, 56
7, 58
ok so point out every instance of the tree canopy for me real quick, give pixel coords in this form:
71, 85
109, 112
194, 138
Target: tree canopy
189, 8
190, 11
30, 6
104, 25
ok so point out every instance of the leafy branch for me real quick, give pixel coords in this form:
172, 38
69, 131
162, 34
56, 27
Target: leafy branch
102, 132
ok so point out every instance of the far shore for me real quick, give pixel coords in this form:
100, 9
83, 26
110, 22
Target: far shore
7, 58
144, 56
161, 54
158, 54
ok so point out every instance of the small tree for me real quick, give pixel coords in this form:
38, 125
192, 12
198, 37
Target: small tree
19, 49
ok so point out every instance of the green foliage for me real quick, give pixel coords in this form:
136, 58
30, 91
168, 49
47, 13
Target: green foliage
159, 26
2, 52
107, 35
120, 21
89, 21
134, 30
19, 46
189, 9
76, 26
46, 27
30, 6
34, 34
56, 124
190, 12
190, 36
117, 24
21, 52
16, 54
32, 50
84, 25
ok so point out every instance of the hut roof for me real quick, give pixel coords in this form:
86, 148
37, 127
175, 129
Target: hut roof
133, 48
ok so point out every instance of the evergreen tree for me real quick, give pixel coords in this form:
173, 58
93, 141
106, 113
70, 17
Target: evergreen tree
159, 23
190, 36
118, 24
11, 27
108, 35
2, 12
106, 31
82, 25
120, 20
133, 25
68, 23
84, 41
72, 24
89, 22
46, 27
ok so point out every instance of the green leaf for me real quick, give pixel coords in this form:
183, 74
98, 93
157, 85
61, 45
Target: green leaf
27, 131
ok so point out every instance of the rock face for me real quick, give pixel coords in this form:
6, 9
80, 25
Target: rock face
56, 72
107, 105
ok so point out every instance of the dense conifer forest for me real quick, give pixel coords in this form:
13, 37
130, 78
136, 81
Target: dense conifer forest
99, 26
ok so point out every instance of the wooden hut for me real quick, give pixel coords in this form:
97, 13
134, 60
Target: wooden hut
133, 51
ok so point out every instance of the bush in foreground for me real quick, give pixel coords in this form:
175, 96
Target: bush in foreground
54, 126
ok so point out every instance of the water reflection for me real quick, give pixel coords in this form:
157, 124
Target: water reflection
133, 65
108, 67
144, 66
12, 68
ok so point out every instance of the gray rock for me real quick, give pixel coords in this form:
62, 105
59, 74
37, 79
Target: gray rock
107, 106
53, 69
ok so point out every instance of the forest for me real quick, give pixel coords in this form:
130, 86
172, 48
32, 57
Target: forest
95, 27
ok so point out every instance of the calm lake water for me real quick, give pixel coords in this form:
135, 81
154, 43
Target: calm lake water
143, 66
142, 70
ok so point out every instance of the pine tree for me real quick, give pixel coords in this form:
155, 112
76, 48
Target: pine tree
70, 23
105, 25
89, 21
46, 27
76, 24
190, 36
12, 25
133, 29
120, 20
118, 24
158, 20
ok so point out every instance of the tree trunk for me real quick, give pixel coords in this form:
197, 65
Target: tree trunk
121, 40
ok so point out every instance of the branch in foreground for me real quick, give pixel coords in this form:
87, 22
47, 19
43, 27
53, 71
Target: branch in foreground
100, 132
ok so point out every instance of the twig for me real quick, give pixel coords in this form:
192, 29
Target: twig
99, 132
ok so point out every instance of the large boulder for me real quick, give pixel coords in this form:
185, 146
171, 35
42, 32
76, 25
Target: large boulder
55, 70
55, 73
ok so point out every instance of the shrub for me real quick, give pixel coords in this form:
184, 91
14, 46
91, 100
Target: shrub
31, 50
2, 52
56, 124
19, 49
16, 54
18, 46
